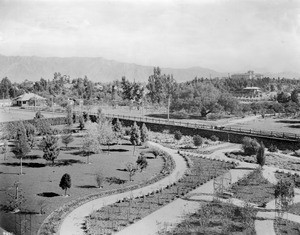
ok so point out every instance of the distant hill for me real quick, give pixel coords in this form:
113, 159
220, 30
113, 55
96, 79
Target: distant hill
19, 68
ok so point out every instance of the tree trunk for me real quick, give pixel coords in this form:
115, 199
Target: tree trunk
88, 158
21, 164
108, 149
65, 192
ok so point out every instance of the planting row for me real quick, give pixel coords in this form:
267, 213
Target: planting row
115, 217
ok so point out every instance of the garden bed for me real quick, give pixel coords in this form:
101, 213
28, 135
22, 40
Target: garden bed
271, 160
216, 218
253, 188
129, 210
283, 226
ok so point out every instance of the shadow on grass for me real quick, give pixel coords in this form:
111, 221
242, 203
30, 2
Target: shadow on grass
25, 164
48, 194
82, 153
86, 186
69, 148
115, 150
294, 126
66, 162
289, 121
32, 157
115, 180
121, 169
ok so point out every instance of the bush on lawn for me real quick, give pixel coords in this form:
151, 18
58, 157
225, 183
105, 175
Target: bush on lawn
198, 141
273, 148
250, 146
177, 135
142, 162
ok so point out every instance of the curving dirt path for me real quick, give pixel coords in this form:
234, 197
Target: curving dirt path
72, 224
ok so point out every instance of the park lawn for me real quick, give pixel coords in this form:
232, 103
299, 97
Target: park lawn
17, 114
40, 184
254, 188
271, 124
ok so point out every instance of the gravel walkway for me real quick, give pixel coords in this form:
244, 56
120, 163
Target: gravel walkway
72, 224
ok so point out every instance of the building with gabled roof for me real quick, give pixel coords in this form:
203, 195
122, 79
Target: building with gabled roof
23, 100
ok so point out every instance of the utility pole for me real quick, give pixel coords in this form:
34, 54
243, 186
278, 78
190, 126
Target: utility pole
169, 108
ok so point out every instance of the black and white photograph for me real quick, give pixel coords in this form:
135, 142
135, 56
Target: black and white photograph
149, 117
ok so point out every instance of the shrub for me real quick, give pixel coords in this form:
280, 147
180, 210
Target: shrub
177, 135
198, 141
65, 182
250, 146
214, 138
156, 152
142, 162
273, 148
38, 115
260, 156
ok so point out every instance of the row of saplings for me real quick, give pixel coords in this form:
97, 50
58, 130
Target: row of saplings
105, 133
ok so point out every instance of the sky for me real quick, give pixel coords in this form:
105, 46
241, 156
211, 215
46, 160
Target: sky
227, 35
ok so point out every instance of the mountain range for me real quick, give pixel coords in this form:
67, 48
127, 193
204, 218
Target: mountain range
97, 69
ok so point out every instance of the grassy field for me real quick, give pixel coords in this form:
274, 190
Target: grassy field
17, 114
40, 184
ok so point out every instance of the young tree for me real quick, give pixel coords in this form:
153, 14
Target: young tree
142, 162
81, 122
135, 135
107, 134
131, 169
50, 148
65, 182
99, 179
260, 156
66, 139
5, 149
69, 116
90, 143
30, 133
21, 148
144, 133
118, 129
100, 116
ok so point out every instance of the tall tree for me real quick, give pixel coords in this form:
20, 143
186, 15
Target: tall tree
50, 148
21, 147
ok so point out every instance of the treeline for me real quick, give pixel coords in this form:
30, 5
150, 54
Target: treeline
199, 96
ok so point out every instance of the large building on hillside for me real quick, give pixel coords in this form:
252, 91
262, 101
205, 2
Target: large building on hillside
249, 75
